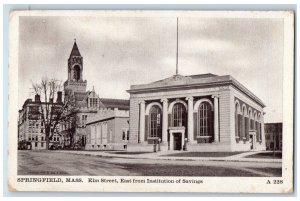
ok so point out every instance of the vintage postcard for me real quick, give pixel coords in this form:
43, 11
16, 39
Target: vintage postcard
151, 101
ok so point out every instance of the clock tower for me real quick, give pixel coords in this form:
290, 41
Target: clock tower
75, 82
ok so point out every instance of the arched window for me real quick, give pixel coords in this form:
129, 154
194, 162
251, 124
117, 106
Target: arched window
205, 120
179, 115
237, 126
250, 120
155, 121
76, 73
245, 124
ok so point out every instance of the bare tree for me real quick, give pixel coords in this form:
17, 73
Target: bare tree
51, 113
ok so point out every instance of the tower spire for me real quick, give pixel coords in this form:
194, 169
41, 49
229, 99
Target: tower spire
177, 49
75, 50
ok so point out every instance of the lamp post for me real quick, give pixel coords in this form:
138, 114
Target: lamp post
154, 145
185, 144
159, 140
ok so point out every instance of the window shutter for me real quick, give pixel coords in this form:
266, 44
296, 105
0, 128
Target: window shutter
147, 129
195, 125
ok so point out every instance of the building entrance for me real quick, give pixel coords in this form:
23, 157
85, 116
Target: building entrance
252, 136
177, 141
176, 138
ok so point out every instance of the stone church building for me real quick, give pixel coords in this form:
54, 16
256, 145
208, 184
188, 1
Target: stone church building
203, 112
87, 103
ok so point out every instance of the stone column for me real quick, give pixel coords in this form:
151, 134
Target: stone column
216, 117
190, 123
165, 120
142, 120
263, 137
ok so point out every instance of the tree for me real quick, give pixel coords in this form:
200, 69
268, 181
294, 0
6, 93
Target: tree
52, 113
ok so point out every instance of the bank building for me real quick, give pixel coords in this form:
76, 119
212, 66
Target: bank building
203, 112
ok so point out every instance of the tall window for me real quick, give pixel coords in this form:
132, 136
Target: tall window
155, 121
76, 73
84, 118
245, 124
179, 115
205, 116
237, 120
250, 120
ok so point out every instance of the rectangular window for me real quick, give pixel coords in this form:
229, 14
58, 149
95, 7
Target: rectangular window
36, 144
83, 120
127, 135
42, 144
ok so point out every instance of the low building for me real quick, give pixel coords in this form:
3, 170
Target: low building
273, 132
203, 112
108, 130
31, 128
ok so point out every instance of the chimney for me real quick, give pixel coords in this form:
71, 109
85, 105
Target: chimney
37, 98
59, 97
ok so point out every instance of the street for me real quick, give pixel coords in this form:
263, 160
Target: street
58, 163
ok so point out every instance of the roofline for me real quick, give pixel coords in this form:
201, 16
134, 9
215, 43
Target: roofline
105, 119
274, 123
39, 103
116, 99
231, 81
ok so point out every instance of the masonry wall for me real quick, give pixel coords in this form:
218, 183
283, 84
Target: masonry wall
224, 117
133, 120
235, 93
110, 131
115, 128
224, 108
120, 125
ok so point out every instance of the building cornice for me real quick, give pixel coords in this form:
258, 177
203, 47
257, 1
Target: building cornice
229, 82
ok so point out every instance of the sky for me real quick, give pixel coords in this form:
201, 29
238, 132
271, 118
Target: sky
122, 51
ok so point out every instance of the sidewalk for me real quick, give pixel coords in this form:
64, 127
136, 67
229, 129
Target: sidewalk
163, 156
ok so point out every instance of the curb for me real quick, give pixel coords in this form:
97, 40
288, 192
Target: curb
175, 158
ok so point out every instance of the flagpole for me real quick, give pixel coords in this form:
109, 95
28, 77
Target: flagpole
177, 50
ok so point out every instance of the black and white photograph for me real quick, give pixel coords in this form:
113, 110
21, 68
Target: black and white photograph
151, 101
